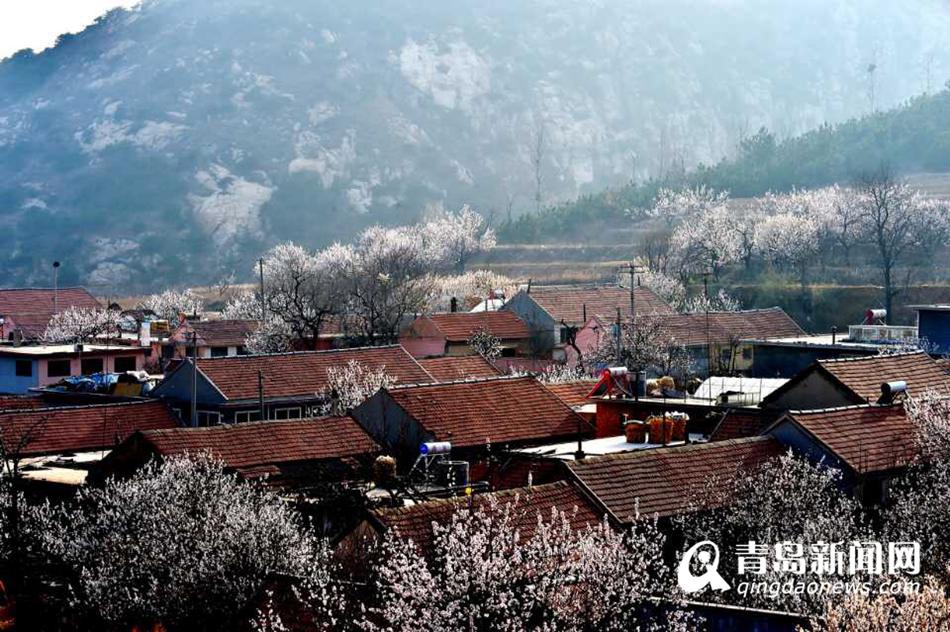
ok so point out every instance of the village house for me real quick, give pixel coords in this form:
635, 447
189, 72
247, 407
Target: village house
290, 385
869, 444
25, 312
416, 521
453, 368
34, 366
850, 381
292, 454
715, 337
447, 334
667, 481
554, 312
933, 327
476, 417
213, 338
57, 446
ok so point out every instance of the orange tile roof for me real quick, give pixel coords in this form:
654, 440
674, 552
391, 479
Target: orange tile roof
867, 438
216, 333
568, 303
662, 480
498, 410
736, 424
9, 402
864, 375
254, 448
690, 329
452, 368
572, 393
415, 521
32, 308
459, 326
304, 373
81, 428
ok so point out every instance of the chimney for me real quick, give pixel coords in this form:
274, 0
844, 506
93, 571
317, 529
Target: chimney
454, 305
890, 390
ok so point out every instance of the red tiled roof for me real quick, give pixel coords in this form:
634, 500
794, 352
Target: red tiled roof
572, 393
302, 374
253, 448
81, 428
500, 410
663, 480
453, 368
11, 402
567, 303
736, 424
690, 329
415, 521
866, 438
459, 326
864, 375
32, 308
216, 333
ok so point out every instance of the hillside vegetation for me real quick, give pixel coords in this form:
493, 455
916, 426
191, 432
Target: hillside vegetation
911, 138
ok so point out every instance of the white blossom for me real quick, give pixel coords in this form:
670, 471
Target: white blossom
468, 289
81, 324
271, 336
171, 304
180, 543
455, 237
485, 343
349, 385
484, 573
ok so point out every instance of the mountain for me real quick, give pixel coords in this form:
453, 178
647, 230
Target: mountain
173, 142
909, 141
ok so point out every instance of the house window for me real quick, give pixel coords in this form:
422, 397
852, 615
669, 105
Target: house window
124, 363
287, 413
243, 416
565, 333
168, 352
219, 352
24, 368
57, 368
91, 365
208, 418
508, 352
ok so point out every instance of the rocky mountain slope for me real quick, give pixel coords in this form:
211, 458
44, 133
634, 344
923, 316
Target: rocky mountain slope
173, 142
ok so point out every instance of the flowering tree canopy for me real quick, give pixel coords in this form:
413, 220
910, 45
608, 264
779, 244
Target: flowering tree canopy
454, 237
171, 304
80, 324
486, 574
348, 386
181, 543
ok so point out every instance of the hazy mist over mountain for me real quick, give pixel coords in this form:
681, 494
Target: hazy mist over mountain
177, 140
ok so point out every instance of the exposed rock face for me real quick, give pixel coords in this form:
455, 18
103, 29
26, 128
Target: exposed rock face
174, 141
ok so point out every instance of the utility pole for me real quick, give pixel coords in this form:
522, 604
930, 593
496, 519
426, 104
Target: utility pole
619, 337
260, 392
56, 287
708, 349
260, 263
194, 379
